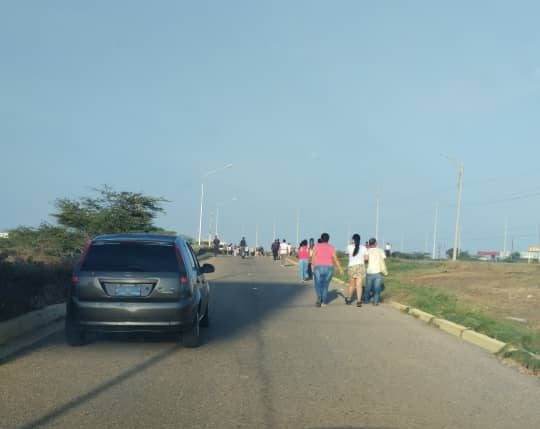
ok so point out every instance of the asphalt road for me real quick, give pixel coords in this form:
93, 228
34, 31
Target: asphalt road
270, 359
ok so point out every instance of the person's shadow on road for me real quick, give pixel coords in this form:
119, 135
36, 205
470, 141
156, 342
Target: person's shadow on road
333, 294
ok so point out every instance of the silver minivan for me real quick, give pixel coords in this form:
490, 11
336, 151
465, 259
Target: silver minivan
138, 283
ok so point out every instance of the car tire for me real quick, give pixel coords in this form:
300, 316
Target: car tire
191, 338
75, 335
205, 321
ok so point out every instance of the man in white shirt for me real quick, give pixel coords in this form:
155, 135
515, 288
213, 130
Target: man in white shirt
283, 252
375, 270
387, 249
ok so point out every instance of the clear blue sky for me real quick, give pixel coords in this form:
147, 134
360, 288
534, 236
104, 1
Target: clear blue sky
318, 104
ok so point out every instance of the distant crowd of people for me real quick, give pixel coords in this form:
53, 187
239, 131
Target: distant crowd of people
241, 249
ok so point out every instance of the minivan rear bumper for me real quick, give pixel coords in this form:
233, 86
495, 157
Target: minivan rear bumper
132, 316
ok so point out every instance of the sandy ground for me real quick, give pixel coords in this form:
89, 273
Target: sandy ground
506, 290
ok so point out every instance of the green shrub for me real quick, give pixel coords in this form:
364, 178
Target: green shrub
27, 286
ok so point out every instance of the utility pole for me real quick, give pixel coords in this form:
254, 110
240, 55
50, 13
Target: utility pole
274, 231
435, 230
402, 242
377, 215
426, 243
505, 237
458, 212
256, 236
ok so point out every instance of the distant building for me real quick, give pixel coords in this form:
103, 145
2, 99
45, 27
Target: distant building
530, 255
488, 255
4, 234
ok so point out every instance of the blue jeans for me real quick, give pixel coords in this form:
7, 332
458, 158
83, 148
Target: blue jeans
373, 284
322, 275
303, 263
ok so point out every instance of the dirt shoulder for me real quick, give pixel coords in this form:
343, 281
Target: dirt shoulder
506, 291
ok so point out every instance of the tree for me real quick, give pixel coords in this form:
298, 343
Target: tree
109, 212
462, 254
47, 243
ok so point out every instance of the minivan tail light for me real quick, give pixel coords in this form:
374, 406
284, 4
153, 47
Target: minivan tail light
186, 290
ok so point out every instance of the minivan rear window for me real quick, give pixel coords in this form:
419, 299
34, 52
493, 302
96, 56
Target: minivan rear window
131, 256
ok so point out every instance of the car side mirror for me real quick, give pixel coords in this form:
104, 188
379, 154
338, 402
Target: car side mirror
207, 269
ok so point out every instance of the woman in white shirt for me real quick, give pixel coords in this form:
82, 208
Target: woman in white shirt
358, 255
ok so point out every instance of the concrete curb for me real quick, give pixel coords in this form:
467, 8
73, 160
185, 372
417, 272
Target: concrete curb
398, 306
422, 315
450, 327
487, 343
29, 322
490, 344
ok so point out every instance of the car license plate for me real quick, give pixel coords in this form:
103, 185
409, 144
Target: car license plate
127, 291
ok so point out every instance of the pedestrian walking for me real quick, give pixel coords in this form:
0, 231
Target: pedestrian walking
323, 260
216, 245
275, 249
283, 252
244, 250
388, 249
303, 260
375, 270
311, 245
358, 256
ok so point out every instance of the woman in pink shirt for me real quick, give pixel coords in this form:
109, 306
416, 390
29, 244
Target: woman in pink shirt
323, 261
303, 259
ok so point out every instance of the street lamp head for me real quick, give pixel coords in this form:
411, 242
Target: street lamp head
216, 170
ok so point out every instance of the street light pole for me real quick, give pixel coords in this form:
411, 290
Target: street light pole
202, 196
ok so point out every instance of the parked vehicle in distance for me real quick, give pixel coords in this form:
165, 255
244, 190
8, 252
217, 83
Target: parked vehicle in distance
138, 283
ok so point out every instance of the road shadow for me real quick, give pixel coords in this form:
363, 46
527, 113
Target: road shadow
236, 304
334, 294
92, 393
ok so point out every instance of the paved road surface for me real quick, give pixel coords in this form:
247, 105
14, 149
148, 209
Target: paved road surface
270, 360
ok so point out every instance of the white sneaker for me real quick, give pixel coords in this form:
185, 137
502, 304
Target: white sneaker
323, 305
